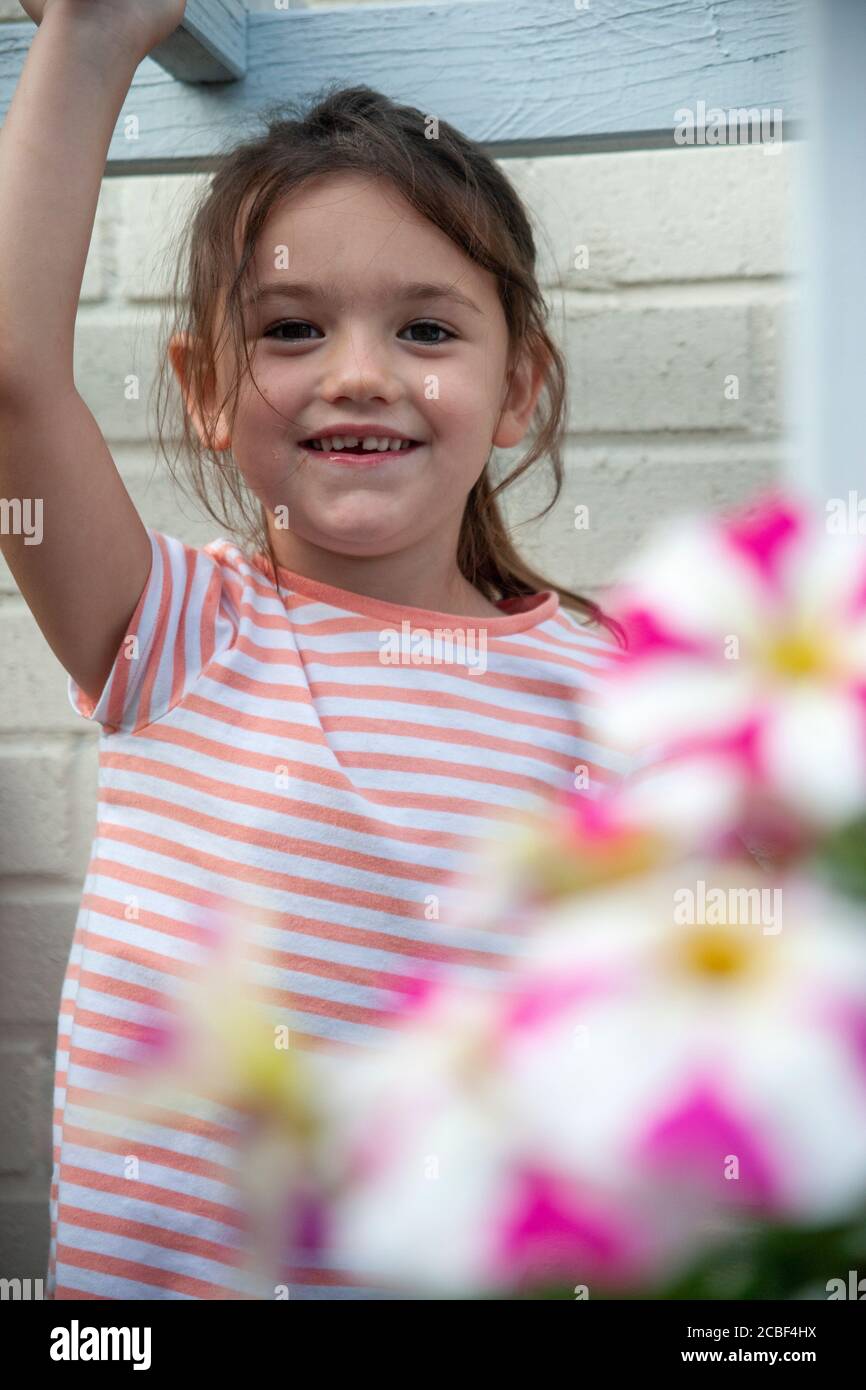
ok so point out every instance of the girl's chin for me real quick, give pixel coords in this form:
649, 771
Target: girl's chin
362, 538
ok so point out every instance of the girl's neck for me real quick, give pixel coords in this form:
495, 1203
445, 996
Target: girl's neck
414, 578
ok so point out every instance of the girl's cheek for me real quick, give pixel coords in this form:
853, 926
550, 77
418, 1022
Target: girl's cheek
267, 468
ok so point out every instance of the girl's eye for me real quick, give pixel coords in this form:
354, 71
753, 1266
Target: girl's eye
299, 323
288, 323
428, 323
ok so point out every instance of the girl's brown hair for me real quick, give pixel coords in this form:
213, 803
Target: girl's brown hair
457, 187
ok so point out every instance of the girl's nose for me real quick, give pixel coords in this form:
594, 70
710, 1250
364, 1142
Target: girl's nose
359, 365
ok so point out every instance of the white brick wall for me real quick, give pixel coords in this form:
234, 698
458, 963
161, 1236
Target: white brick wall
685, 286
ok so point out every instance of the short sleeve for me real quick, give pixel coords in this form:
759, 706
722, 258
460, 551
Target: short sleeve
181, 621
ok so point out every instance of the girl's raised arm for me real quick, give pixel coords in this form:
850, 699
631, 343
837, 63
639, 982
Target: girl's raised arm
69, 531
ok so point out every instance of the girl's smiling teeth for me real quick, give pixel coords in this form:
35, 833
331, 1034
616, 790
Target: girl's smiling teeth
369, 444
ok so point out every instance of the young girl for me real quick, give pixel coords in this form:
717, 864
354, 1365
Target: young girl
328, 713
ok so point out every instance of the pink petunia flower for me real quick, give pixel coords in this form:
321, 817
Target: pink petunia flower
744, 685
704, 1029
673, 1056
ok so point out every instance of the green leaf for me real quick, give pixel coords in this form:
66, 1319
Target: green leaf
841, 859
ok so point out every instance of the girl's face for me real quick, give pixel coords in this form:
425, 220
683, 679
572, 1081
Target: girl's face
341, 333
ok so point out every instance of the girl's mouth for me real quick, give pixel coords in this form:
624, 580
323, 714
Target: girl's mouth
356, 455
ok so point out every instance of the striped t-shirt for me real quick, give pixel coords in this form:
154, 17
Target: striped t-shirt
334, 758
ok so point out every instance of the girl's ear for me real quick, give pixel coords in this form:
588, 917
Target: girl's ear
201, 414
522, 394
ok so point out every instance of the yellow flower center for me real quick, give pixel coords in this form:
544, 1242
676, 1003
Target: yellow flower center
794, 655
717, 951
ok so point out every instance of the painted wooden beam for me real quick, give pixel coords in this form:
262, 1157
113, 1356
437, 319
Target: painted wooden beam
210, 45
523, 77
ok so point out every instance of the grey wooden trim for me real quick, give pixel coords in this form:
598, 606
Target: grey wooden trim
210, 45
527, 77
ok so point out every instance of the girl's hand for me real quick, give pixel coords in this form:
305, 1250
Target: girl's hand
141, 24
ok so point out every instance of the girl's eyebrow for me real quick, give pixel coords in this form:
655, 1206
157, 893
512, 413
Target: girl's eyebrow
416, 289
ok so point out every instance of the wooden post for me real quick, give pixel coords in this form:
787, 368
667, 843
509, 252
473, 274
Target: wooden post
826, 392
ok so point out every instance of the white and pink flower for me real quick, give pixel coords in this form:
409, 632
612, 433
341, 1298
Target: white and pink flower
639, 1086
745, 677
720, 1014
438, 1185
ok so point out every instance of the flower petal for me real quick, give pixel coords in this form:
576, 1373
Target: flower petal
695, 583
814, 750
674, 698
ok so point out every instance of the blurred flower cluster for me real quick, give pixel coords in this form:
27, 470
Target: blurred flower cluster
664, 1094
